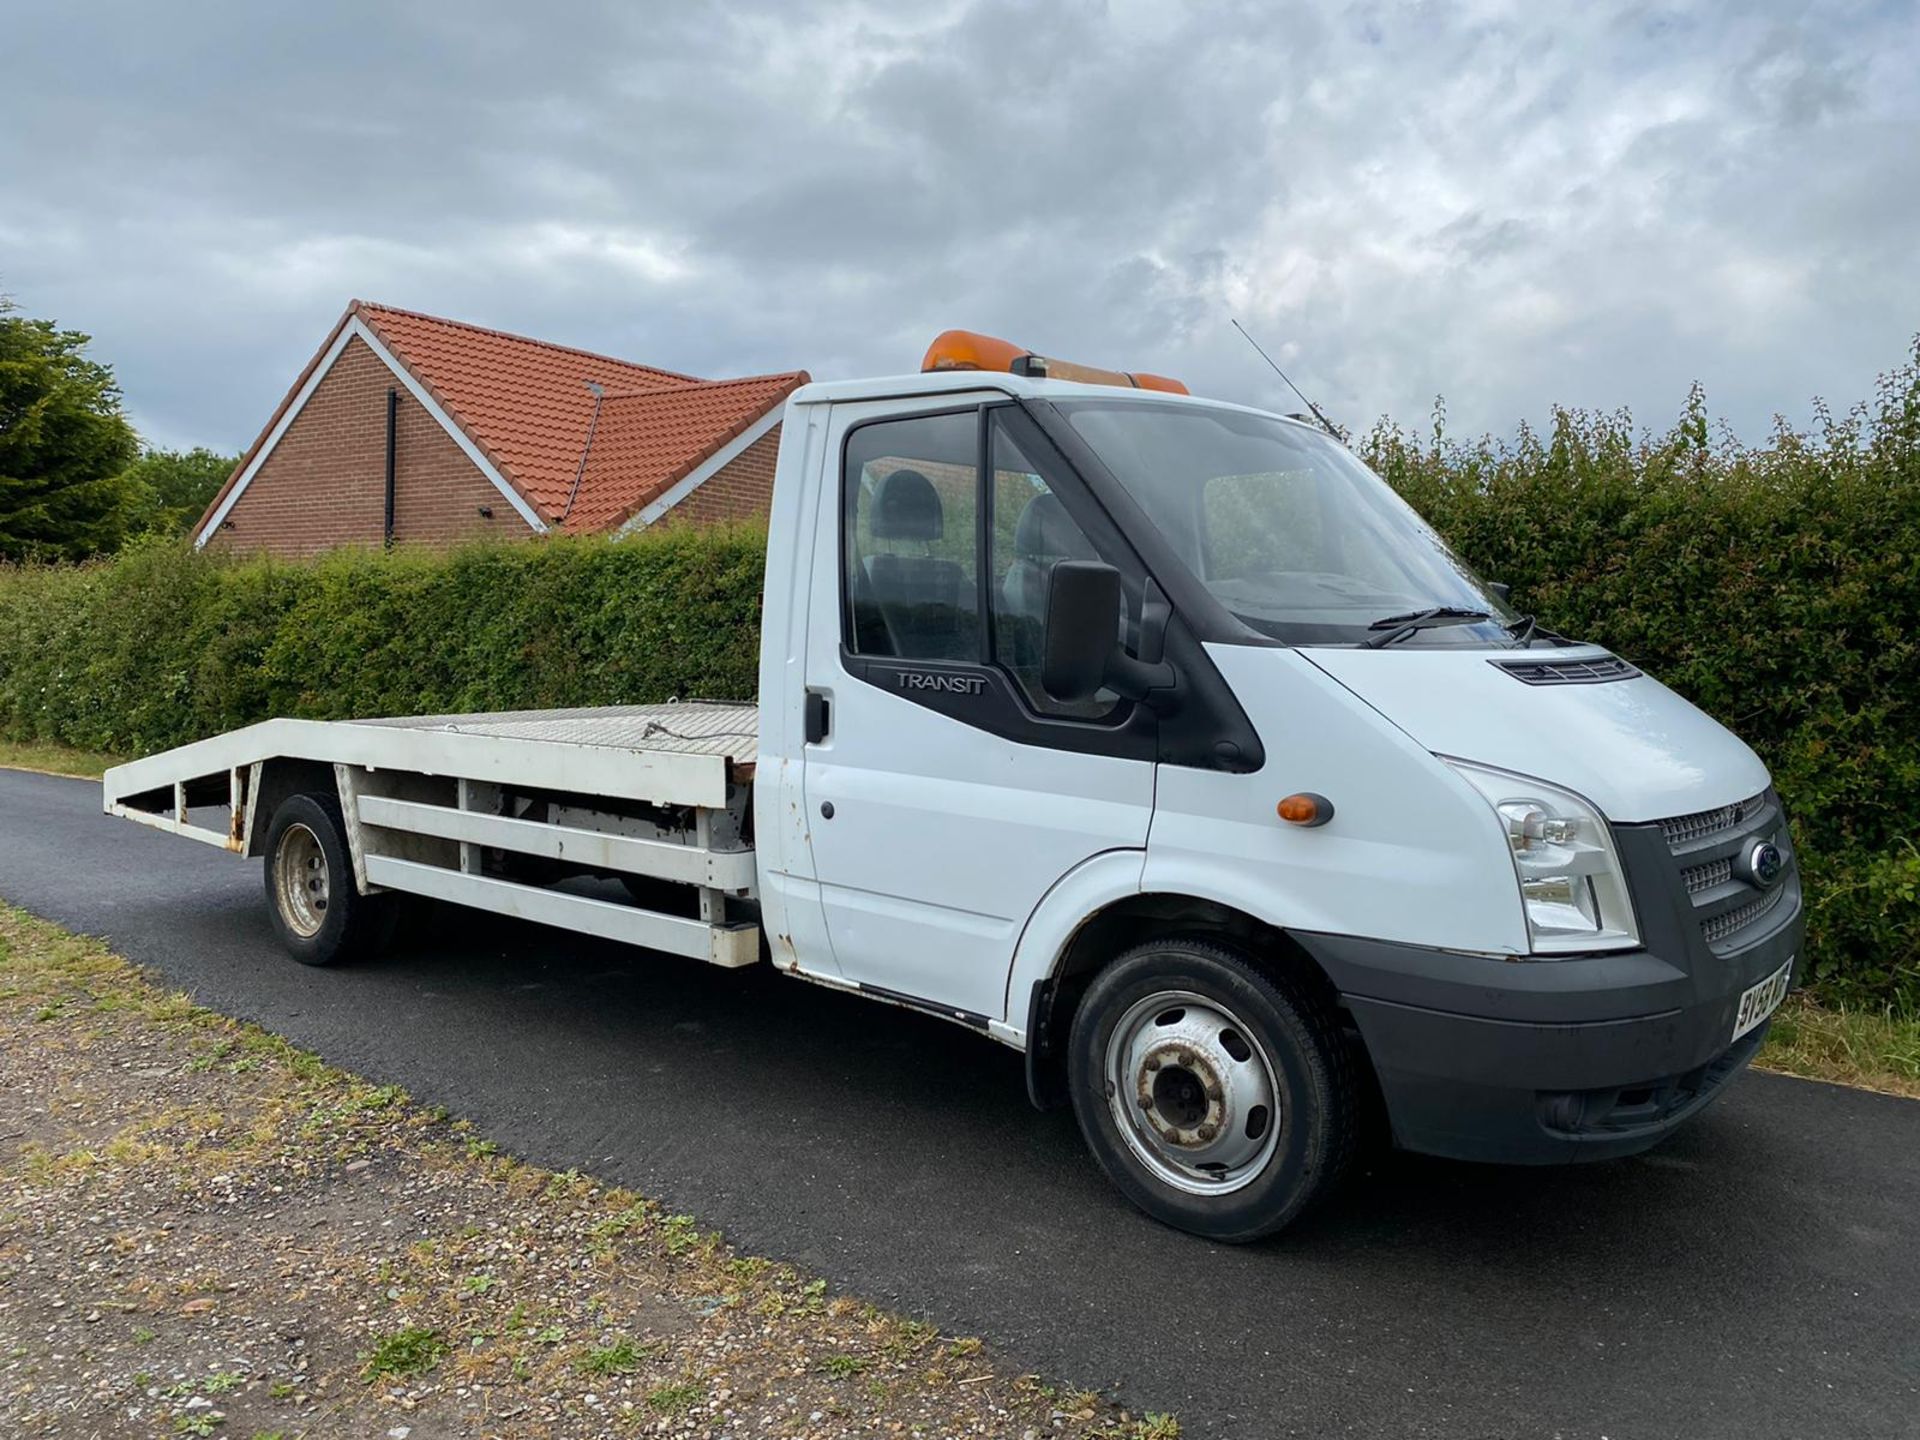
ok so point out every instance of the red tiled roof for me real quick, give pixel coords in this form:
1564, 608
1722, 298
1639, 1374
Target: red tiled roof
527, 406
648, 440
524, 402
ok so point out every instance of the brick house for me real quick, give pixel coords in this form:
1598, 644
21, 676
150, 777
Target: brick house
406, 427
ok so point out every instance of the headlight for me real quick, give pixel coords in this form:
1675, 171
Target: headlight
1571, 884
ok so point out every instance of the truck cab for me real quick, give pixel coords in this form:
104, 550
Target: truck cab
1158, 738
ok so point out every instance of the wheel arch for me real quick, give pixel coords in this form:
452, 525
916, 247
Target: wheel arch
281, 777
1118, 925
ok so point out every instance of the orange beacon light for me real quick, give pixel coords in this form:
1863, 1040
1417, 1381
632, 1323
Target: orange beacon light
968, 350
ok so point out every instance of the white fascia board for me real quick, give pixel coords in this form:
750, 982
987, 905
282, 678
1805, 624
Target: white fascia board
707, 469
212, 527
355, 326
472, 451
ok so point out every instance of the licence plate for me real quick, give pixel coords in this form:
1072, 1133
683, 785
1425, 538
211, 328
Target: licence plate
1762, 1000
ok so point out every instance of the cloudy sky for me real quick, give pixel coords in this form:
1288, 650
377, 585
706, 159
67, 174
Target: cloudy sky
1511, 204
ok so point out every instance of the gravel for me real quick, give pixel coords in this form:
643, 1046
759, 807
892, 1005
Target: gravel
206, 1231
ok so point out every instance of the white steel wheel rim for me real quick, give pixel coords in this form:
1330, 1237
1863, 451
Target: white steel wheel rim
300, 863
1192, 1092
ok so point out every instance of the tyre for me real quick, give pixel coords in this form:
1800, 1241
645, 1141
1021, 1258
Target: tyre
1220, 1098
318, 912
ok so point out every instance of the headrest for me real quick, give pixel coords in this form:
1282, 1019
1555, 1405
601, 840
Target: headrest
906, 507
1046, 531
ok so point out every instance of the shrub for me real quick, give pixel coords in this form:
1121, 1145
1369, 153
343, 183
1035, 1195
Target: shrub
163, 645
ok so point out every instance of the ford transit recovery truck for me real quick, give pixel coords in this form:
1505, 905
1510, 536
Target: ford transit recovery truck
1151, 736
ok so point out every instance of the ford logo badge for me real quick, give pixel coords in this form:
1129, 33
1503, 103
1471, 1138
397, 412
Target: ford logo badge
1765, 863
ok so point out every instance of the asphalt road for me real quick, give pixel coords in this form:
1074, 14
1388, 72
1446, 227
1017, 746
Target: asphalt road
1759, 1275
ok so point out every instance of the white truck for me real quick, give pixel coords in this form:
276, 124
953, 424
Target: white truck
1152, 736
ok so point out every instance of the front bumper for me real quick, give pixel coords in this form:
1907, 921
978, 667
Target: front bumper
1550, 1061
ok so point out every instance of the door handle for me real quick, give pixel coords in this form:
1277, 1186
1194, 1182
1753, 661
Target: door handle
818, 717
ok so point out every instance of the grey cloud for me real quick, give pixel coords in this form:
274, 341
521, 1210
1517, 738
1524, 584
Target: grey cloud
1794, 77
1513, 204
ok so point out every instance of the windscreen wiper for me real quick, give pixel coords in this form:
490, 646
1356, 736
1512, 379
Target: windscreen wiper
1398, 627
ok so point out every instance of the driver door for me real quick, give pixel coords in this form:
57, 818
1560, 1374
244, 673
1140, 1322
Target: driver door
949, 792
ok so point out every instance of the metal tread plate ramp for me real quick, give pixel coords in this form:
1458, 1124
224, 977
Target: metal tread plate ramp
695, 728
422, 797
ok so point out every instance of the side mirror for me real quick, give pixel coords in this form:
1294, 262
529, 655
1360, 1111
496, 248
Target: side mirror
1501, 589
1083, 621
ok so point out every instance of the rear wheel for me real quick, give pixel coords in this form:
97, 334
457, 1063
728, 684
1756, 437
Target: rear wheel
318, 912
1221, 1099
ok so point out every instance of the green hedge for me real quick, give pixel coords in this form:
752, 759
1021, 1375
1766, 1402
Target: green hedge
162, 645
1777, 586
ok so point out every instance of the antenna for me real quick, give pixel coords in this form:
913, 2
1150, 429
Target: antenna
599, 393
1325, 423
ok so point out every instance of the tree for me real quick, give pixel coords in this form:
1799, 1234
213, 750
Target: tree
167, 490
64, 444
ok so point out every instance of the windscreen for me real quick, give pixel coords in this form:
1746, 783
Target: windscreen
1286, 528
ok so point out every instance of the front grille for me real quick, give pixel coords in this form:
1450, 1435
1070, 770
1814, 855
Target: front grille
1684, 829
1707, 847
1728, 923
1568, 672
1705, 877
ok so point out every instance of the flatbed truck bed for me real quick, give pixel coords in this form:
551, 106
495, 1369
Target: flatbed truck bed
467, 808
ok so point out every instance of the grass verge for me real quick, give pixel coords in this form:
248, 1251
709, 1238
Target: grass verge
205, 1230
50, 758
1875, 1050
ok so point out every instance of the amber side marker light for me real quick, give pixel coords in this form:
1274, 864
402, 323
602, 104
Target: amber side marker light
1306, 808
966, 350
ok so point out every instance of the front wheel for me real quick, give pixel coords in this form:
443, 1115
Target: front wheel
1219, 1098
319, 914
